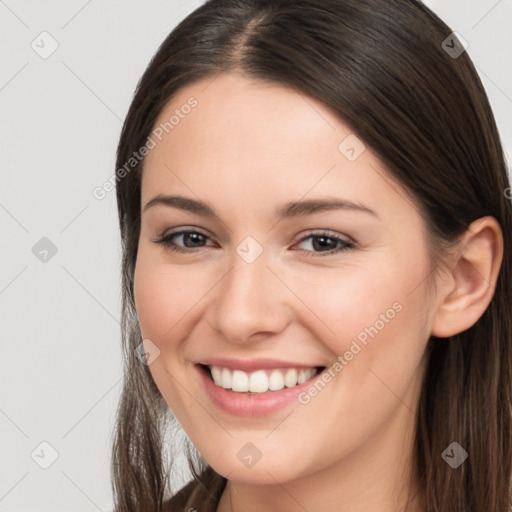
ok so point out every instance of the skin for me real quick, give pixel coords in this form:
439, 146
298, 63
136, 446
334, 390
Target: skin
246, 148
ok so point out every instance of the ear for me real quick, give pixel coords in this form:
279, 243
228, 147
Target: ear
473, 278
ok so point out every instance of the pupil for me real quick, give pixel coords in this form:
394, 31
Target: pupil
321, 239
196, 237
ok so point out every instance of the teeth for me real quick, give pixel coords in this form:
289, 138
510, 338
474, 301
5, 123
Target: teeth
240, 381
302, 377
276, 381
225, 380
290, 379
260, 381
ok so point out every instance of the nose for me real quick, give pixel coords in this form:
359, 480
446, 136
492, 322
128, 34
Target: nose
250, 302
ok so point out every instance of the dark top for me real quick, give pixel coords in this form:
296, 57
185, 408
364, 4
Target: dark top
203, 497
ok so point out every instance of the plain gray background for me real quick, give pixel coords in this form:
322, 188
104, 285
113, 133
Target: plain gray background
60, 365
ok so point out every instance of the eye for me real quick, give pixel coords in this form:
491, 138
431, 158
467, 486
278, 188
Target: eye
324, 242
190, 238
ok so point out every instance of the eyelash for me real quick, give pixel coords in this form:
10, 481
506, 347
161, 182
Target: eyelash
344, 245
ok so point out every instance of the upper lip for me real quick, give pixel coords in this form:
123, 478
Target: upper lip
253, 364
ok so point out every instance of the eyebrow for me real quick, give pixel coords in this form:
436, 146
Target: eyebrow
289, 210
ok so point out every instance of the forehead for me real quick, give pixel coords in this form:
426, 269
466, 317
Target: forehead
236, 115
256, 142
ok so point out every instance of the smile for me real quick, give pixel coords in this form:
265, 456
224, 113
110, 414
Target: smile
260, 381
256, 387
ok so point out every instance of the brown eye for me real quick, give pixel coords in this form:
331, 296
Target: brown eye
190, 240
326, 243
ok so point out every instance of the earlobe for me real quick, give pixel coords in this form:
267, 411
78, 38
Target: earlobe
474, 276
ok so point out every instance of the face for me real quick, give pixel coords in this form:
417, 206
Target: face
270, 288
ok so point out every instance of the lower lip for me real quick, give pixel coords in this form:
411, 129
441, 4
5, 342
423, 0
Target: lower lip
258, 404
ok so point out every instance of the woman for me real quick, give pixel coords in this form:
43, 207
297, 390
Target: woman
316, 266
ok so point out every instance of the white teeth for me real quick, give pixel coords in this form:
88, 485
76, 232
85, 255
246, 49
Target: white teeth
290, 379
240, 381
216, 373
260, 381
225, 380
276, 381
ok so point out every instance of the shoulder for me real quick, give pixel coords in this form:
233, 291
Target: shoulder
202, 495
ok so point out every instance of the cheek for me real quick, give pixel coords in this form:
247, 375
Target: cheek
344, 302
376, 313
164, 298
164, 295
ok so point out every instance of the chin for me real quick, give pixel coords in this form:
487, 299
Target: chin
277, 468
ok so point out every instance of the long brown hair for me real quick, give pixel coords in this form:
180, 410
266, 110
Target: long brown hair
383, 68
